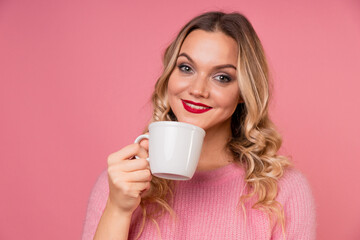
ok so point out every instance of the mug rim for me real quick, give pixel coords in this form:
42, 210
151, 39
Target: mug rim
176, 123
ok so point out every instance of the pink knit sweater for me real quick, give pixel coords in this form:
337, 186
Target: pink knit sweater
206, 209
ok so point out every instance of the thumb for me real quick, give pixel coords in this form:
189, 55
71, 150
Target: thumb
145, 143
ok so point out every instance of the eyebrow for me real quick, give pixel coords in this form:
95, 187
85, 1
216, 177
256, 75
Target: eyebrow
216, 67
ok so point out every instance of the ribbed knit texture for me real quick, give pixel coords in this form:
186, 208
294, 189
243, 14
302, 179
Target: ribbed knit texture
206, 208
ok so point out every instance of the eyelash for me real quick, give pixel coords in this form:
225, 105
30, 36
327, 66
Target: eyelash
181, 66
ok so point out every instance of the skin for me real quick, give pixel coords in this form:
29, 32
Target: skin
197, 79
129, 180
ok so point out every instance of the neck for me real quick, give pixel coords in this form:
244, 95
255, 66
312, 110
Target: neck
214, 153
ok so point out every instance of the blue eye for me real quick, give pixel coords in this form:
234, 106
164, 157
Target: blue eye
224, 78
184, 68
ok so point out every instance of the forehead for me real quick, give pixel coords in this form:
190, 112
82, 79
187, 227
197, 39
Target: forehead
210, 47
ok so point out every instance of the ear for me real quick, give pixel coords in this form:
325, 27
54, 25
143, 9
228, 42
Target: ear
240, 99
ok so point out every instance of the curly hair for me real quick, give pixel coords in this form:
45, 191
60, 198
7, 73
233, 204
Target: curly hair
255, 141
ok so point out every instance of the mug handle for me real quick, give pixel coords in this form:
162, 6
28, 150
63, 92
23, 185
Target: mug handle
138, 139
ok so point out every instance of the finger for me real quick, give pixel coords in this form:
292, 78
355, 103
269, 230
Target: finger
144, 192
138, 176
142, 152
134, 189
140, 187
125, 153
145, 143
134, 164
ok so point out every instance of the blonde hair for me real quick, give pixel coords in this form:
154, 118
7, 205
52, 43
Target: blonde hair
255, 141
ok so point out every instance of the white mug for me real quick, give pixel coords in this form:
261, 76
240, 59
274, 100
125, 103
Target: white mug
174, 149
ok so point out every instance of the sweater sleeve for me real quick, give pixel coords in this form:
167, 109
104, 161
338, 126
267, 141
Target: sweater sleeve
299, 208
96, 206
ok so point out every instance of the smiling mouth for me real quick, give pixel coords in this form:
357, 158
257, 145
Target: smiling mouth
195, 107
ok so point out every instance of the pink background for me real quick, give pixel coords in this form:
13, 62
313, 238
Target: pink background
76, 77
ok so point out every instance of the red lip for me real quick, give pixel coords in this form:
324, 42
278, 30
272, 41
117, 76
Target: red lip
195, 103
194, 110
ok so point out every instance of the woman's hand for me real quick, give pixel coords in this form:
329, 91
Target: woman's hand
128, 178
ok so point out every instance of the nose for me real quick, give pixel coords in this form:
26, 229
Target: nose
199, 87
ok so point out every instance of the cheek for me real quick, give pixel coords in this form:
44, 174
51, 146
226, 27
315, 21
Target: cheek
176, 86
227, 99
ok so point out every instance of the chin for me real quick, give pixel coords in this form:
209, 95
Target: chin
197, 123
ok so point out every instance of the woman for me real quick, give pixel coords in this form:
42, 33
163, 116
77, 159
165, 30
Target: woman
242, 188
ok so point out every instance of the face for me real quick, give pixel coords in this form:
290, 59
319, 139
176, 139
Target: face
203, 88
